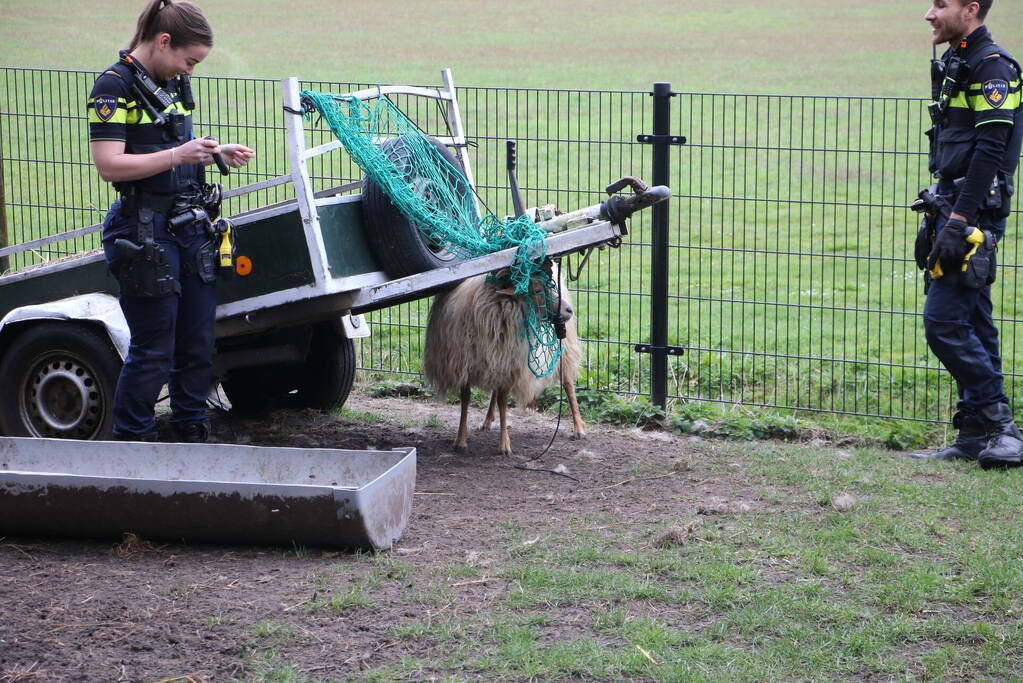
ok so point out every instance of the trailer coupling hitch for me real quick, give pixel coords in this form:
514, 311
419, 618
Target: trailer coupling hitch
619, 207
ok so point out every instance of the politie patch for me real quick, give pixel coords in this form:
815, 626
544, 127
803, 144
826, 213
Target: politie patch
105, 106
995, 92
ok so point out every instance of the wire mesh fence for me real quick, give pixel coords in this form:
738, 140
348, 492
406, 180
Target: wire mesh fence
791, 282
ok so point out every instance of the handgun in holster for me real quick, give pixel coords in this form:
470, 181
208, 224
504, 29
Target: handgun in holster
144, 270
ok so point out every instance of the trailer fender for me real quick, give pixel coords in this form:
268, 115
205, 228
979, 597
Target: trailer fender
102, 309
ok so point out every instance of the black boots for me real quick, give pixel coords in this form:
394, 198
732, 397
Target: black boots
1004, 444
971, 440
197, 432
989, 435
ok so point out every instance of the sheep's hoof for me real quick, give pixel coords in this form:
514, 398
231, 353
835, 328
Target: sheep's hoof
459, 447
505, 451
578, 436
485, 427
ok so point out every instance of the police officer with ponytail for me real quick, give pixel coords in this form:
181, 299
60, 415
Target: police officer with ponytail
975, 138
159, 236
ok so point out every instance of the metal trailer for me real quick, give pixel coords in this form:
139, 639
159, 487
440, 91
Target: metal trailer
284, 329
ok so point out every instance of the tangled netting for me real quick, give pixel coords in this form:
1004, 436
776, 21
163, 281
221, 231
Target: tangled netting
437, 199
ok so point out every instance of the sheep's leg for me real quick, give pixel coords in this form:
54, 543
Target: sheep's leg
573, 404
502, 406
489, 419
462, 438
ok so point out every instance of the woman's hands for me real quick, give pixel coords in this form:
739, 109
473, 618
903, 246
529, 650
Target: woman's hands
201, 151
197, 151
114, 165
235, 155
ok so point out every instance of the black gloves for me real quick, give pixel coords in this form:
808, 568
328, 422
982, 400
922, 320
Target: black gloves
950, 246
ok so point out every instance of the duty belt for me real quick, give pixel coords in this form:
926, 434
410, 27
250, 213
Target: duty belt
132, 202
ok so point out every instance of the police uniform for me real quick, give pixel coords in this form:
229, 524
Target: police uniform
168, 298
975, 147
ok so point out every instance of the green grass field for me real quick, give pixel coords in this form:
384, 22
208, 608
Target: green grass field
815, 47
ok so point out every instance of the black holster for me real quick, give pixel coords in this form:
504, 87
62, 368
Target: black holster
144, 270
981, 268
925, 235
205, 263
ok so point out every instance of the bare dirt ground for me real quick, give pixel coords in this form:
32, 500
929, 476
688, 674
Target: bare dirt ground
137, 610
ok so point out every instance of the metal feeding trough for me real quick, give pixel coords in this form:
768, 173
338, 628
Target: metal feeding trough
210, 493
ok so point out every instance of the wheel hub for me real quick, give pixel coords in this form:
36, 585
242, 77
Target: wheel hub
62, 399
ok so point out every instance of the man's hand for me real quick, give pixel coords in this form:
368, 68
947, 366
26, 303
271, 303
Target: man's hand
950, 246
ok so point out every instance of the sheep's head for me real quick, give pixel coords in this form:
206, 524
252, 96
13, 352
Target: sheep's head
542, 289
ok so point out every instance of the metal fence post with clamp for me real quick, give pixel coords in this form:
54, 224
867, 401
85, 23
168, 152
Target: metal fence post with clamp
662, 140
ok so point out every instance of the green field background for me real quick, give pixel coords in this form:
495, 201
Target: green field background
791, 282
792, 47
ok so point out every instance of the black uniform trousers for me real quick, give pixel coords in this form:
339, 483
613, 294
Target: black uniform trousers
172, 336
960, 330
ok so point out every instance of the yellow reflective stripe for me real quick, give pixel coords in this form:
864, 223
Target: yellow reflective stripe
132, 112
139, 114
980, 103
175, 107
984, 123
978, 88
120, 116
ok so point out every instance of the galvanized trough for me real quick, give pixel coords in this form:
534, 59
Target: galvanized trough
210, 493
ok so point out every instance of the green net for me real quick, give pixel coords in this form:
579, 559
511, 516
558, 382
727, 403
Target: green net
435, 197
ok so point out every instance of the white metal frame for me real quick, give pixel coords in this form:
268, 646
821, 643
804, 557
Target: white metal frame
299, 156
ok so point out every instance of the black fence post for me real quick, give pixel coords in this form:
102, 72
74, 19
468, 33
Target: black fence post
662, 140
4, 237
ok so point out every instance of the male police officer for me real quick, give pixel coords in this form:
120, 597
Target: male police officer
975, 147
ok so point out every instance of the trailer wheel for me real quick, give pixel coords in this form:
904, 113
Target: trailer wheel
328, 375
254, 390
398, 244
59, 380
323, 381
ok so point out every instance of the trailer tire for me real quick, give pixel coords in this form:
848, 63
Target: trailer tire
329, 373
254, 390
322, 382
62, 378
399, 246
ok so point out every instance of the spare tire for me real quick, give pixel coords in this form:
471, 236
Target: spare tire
399, 246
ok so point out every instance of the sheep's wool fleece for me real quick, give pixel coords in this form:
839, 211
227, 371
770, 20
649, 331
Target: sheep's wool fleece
474, 337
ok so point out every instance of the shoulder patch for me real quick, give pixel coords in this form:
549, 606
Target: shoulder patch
995, 92
105, 106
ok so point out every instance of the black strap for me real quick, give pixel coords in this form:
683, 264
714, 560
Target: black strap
133, 200
157, 95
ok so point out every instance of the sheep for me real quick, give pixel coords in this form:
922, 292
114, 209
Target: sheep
474, 339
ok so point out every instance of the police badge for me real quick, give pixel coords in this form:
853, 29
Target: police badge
105, 107
995, 91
